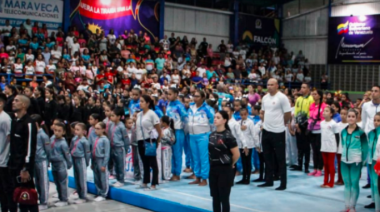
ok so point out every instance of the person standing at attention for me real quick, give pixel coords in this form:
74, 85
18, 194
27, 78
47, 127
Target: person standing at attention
23, 144
223, 153
276, 108
301, 114
201, 119
369, 110
5, 130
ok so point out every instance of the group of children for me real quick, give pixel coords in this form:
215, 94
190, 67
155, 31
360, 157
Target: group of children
95, 146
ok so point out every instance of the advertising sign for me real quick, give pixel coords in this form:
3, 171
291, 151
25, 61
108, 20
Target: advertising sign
354, 40
119, 15
259, 31
44, 11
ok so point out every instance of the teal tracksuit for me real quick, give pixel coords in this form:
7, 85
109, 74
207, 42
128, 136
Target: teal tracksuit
373, 137
354, 155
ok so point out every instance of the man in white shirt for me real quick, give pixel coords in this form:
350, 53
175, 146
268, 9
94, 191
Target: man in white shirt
369, 110
132, 70
28, 27
70, 40
138, 73
6, 30
56, 54
201, 70
262, 69
5, 129
277, 113
165, 43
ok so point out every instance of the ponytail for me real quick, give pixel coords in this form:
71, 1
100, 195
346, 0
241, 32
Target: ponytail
225, 116
41, 124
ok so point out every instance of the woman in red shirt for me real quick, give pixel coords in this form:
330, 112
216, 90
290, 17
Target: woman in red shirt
109, 77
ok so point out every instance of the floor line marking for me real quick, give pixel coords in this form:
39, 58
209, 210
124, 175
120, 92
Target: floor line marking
190, 195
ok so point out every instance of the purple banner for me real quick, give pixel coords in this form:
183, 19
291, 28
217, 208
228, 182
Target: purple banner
119, 15
354, 40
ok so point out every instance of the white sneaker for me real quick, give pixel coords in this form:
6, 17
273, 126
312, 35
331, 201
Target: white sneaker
99, 199
42, 207
118, 184
60, 204
80, 201
74, 195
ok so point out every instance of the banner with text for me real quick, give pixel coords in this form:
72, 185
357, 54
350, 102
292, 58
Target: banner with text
259, 31
119, 15
44, 11
354, 39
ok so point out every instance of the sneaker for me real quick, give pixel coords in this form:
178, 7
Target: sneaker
60, 204
318, 174
312, 173
74, 195
111, 177
150, 189
80, 201
42, 207
142, 187
99, 199
118, 184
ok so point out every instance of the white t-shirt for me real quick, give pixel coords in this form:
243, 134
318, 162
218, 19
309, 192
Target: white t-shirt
69, 41
75, 48
252, 76
156, 85
55, 54
300, 77
289, 77
201, 71
262, 70
243, 53
185, 71
5, 130
111, 38
165, 44
275, 107
341, 127
227, 62
307, 79
328, 131
249, 133
7, 28
145, 126
139, 73
369, 110
175, 78
132, 70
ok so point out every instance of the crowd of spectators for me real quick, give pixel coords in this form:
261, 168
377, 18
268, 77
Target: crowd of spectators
105, 62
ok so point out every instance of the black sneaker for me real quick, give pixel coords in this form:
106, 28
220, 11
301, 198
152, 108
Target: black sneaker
258, 180
297, 169
367, 186
281, 188
372, 205
265, 185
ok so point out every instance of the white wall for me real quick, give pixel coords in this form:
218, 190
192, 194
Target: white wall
346, 9
308, 32
197, 22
